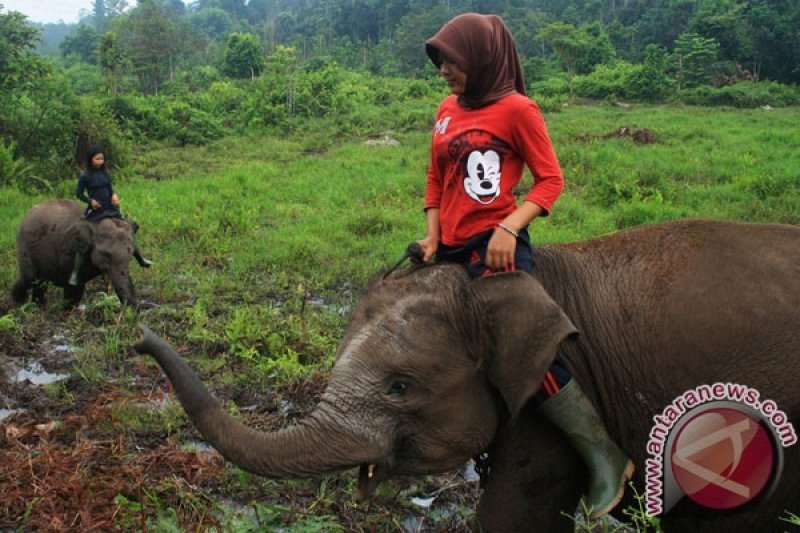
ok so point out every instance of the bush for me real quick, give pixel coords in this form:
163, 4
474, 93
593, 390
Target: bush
556, 86
747, 94
606, 81
161, 118
623, 80
12, 170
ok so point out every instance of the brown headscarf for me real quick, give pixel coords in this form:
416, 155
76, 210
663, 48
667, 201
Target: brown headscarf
481, 46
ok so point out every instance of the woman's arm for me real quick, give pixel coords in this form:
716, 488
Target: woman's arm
503, 244
82, 186
431, 241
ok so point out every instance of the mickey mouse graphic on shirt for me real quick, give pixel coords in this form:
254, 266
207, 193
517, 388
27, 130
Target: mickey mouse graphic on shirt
481, 156
482, 182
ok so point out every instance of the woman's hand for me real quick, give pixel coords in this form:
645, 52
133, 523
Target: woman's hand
429, 246
94, 204
115, 200
500, 251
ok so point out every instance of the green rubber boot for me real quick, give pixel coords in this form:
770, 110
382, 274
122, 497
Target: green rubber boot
609, 467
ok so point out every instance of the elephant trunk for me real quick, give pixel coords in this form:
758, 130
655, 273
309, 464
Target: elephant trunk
123, 286
314, 446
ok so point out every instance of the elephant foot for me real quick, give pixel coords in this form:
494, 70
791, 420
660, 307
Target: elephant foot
19, 293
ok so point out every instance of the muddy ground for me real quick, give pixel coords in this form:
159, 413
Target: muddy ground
86, 452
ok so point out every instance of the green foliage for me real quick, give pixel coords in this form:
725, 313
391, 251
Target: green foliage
622, 80
152, 39
18, 63
113, 60
791, 518
694, 60
163, 118
13, 171
212, 22
243, 56
81, 44
578, 49
650, 83
744, 95
605, 81
269, 517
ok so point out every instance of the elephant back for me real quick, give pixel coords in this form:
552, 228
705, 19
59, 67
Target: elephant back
43, 235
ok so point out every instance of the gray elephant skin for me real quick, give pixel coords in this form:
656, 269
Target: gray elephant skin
434, 368
47, 240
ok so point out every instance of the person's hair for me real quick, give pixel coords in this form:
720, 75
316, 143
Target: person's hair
93, 151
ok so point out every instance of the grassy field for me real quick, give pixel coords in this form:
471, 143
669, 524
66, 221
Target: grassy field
262, 244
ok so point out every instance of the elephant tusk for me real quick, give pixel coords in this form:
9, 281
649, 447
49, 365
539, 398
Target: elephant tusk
369, 476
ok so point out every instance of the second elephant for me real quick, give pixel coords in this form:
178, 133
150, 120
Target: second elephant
50, 236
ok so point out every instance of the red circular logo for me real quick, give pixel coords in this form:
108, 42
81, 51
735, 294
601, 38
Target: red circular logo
722, 458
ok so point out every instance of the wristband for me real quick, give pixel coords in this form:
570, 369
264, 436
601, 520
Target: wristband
511, 231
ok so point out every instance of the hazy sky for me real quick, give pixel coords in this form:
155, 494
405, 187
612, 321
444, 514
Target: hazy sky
48, 10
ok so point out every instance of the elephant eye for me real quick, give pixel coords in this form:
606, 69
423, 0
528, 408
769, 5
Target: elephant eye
397, 387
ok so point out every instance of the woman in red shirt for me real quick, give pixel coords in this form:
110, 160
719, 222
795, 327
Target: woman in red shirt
486, 132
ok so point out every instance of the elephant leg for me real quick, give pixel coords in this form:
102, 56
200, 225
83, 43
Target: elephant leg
536, 477
19, 290
39, 294
73, 294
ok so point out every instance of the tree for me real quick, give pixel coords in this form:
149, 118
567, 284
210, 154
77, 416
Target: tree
578, 49
151, 39
243, 56
113, 60
20, 70
212, 22
651, 82
18, 63
694, 60
81, 43
774, 27
410, 34
99, 14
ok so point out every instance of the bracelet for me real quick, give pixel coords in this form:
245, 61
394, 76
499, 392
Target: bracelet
511, 231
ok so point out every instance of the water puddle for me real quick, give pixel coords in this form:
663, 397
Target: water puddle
37, 375
5, 413
196, 446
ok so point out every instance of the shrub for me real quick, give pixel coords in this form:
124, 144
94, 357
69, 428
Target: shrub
747, 94
605, 81
556, 86
12, 170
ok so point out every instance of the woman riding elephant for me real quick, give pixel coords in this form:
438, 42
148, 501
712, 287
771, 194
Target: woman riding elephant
101, 202
486, 131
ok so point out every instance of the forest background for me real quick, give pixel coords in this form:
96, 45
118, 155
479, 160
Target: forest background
162, 71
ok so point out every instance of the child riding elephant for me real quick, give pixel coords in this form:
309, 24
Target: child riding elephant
101, 202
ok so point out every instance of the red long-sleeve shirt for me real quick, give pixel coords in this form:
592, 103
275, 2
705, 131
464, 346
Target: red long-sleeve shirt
477, 158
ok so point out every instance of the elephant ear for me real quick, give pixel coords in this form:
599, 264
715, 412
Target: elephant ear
525, 327
80, 236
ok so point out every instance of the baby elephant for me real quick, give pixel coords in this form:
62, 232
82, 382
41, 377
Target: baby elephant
50, 236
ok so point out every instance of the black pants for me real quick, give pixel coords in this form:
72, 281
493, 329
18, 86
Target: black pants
472, 255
